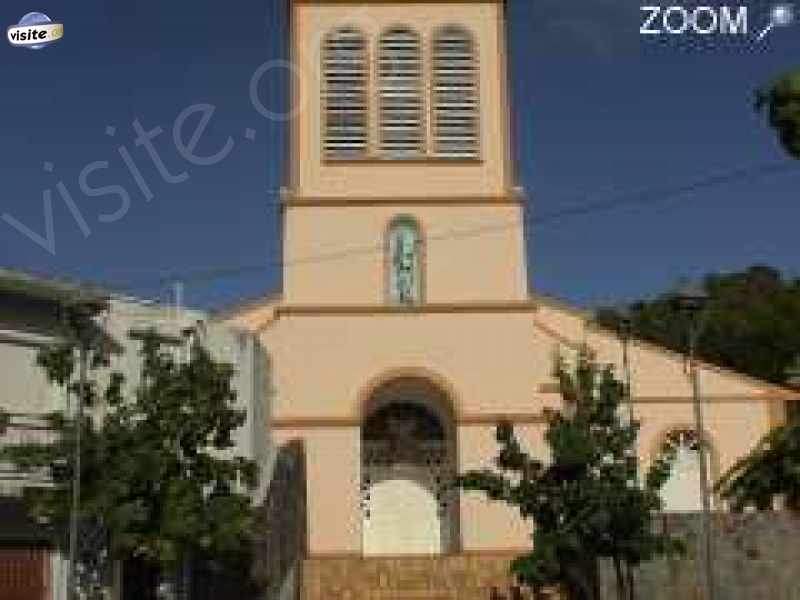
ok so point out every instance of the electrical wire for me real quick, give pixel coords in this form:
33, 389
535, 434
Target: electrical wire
645, 198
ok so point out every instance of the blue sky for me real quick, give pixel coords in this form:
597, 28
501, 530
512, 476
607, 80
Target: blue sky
602, 116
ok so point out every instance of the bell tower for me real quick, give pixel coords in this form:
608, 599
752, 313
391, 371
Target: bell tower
401, 190
404, 328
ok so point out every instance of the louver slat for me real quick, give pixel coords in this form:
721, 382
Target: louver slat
400, 72
345, 95
456, 123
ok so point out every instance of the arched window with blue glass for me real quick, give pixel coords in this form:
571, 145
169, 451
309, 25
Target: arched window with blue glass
405, 261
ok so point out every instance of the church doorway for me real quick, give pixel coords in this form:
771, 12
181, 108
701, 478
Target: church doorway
408, 462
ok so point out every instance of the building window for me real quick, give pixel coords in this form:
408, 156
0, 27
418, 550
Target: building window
793, 411
404, 261
400, 73
455, 94
681, 492
345, 94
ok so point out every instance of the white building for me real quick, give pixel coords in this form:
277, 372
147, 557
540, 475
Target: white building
31, 316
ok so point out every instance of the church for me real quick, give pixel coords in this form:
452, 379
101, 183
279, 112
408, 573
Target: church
405, 328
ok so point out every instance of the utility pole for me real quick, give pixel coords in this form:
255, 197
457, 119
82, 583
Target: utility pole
74, 524
81, 328
792, 373
692, 302
178, 292
625, 334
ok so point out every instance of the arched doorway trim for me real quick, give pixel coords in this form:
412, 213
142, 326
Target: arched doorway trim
450, 407
409, 456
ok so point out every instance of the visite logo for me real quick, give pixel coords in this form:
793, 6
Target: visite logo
35, 30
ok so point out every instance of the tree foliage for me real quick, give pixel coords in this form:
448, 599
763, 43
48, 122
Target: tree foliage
752, 323
781, 102
586, 502
5, 420
157, 470
770, 471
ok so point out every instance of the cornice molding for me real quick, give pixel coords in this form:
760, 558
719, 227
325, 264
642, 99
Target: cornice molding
355, 422
292, 201
28, 339
491, 419
711, 399
417, 160
312, 310
497, 553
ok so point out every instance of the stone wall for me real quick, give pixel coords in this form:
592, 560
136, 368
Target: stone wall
756, 557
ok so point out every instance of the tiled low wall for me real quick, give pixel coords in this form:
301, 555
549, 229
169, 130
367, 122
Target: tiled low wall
418, 578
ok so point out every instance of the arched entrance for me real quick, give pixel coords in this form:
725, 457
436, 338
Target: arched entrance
408, 461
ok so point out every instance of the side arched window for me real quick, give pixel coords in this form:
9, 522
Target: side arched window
455, 94
400, 75
681, 492
344, 71
404, 261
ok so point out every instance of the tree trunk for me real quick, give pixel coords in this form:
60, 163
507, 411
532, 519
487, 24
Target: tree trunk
630, 569
620, 577
140, 579
582, 582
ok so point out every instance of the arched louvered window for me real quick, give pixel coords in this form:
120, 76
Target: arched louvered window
400, 73
345, 94
455, 93
404, 261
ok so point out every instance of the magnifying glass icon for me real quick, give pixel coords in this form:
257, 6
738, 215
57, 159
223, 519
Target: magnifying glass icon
781, 15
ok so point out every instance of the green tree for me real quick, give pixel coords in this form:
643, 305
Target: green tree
5, 420
586, 502
752, 323
781, 101
157, 474
770, 471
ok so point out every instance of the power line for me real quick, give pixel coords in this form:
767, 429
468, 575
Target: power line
644, 198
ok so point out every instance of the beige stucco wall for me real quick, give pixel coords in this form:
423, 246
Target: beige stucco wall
738, 410
333, 475
488, 526
323, 365
337, 213
471, 253
311, 176
494, 364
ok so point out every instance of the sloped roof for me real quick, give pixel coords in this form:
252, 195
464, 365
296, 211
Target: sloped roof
21, 283
245, 305
589, 317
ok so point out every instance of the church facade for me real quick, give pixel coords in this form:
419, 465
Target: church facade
405, 329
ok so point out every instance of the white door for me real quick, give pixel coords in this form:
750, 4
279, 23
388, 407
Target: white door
403, 515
